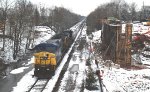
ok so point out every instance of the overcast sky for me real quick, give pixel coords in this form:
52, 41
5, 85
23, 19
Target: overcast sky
82, 7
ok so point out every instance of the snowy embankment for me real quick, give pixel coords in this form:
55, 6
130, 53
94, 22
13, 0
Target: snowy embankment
45, 34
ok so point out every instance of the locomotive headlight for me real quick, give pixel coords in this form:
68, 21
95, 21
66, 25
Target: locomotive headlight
44, 58
45, 55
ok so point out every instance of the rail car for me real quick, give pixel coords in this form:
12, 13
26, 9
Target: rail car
48, 55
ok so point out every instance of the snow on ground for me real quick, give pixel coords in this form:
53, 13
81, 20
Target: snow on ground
122, 80
42, 28
141, 59
25, 83
145, 60
75, 27
30, 62
140, 28
21, 69
18, 70
73, 79
97, 35
8, 53
45, 34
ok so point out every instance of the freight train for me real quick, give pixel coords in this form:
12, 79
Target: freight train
48, 55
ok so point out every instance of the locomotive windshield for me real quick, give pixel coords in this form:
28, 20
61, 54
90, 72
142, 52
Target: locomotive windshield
46, 47
67, 33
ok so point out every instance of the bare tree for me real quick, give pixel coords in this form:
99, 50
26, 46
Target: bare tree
124, 12
61, 18
43, 15
117, 8
5, 5
31, 22
36, 17
133, 12
22, 22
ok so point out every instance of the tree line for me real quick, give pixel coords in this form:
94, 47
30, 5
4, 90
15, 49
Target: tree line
18, 19
116, 8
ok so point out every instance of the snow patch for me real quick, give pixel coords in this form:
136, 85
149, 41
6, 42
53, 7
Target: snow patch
18, 70
25, 83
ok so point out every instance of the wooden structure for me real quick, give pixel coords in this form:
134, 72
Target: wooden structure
116, 45
123, 46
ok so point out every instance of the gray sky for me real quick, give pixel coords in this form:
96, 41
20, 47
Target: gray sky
82, 7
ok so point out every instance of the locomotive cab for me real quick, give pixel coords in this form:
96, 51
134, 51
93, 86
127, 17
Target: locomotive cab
46, 58
45, 64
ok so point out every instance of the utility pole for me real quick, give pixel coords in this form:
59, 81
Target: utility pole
143, 15
118, 44
128, 39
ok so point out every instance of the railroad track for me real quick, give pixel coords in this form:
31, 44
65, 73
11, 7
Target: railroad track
39, 85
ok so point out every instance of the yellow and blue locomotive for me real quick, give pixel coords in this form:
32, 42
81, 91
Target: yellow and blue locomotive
48, 55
